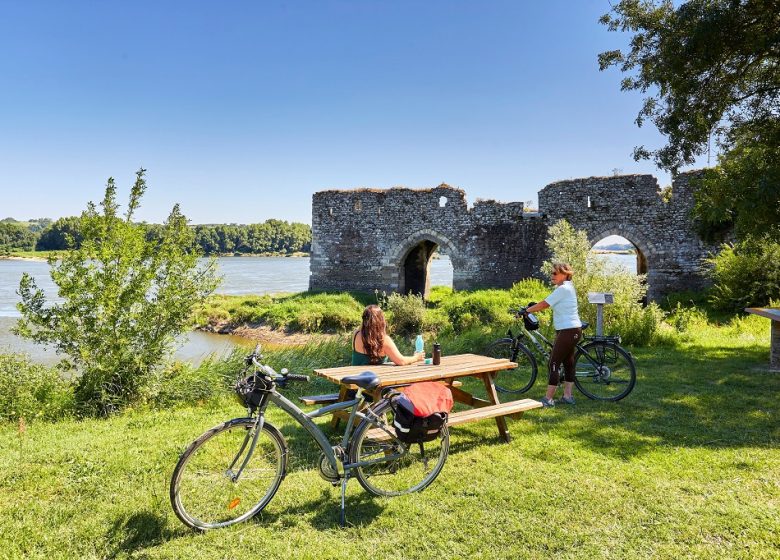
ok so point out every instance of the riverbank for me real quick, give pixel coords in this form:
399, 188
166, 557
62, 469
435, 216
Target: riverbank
266, 335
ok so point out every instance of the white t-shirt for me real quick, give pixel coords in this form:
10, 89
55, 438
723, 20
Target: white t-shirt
563, 301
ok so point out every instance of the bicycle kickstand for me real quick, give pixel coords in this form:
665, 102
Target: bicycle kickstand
343, 512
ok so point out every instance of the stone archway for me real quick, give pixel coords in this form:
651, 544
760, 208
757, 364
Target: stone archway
411, 262
643, 249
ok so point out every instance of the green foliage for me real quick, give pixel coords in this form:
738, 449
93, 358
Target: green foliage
64, 233
272, 236
528, 290
32, 391
743, 191
405, 313
182, 383
746, 274
467, 310
709, 67
15, 237
626, 316
712, 66
319, 312
125, 300
303, 312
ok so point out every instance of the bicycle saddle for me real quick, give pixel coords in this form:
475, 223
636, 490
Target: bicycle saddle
367, 380
584, 325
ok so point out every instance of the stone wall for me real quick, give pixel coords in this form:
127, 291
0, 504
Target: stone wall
368, 239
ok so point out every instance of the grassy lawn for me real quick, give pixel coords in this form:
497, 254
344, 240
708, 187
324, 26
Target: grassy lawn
686, 467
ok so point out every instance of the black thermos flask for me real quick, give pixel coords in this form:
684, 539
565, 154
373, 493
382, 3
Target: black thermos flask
436, 354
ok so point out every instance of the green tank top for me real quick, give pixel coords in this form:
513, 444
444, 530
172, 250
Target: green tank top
358, 358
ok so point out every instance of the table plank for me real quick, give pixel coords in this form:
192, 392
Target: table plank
768, 312
460, 365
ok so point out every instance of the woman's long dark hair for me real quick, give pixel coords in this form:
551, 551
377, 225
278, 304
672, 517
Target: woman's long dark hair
373, 332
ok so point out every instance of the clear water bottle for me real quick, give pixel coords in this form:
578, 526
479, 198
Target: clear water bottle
419, 344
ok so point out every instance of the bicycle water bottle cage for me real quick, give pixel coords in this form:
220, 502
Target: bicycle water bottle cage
530, 321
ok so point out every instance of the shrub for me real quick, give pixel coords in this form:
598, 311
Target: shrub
528, 290
467, 310
31, 390
626, 316
405, 313
125, 299
746, 274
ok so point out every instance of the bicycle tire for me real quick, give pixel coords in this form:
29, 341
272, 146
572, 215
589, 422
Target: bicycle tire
419, 465
610, 376
203, 493
517, 380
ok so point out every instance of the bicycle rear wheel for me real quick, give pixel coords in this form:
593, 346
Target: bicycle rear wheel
604, 371
519, 379
417, 466
207, 490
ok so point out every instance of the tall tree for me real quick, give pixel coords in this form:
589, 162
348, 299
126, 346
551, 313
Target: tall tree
711, 73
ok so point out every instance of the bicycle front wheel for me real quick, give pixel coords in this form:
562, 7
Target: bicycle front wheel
604, 371
395, 468
222, 478
519, 379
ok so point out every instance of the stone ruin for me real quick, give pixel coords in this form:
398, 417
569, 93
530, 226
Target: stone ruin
383, 239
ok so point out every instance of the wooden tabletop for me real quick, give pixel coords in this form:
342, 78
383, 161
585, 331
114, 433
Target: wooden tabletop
459, 365
768, 312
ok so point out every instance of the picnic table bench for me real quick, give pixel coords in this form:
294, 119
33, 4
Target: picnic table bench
451, 368
774, 341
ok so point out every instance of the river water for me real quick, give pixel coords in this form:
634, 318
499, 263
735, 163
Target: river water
241, 275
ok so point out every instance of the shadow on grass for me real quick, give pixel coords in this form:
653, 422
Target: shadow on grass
138, 531
693, 397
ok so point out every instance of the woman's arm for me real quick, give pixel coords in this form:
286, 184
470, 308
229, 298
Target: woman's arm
391, 351
537, 307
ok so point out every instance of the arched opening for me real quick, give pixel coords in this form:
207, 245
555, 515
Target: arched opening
441, 270
619, 252
415, 269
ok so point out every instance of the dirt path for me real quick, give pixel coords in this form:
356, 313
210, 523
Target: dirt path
267, 335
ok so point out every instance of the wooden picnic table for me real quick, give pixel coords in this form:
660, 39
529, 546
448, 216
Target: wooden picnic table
772, 313
451, 368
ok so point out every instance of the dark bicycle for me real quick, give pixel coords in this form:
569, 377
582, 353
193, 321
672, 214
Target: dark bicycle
604, 370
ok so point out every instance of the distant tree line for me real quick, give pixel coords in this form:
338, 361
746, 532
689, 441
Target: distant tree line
271, 236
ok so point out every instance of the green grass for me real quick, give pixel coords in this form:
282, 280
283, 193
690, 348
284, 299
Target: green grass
686, 467
33, 254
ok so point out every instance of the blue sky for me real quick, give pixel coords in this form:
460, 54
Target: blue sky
240, 111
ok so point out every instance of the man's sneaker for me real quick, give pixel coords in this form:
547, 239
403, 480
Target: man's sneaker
567, 400
547, 403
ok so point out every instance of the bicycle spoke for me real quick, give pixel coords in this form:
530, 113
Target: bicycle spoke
206, 491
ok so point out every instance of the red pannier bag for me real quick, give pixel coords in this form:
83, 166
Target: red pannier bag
421, 411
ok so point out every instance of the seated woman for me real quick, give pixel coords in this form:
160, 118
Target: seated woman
371, 344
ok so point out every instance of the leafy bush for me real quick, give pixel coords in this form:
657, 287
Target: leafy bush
746, 274
467, 310
125, 299
528, 290
32, 390
405, 314
687, 319
626, 316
